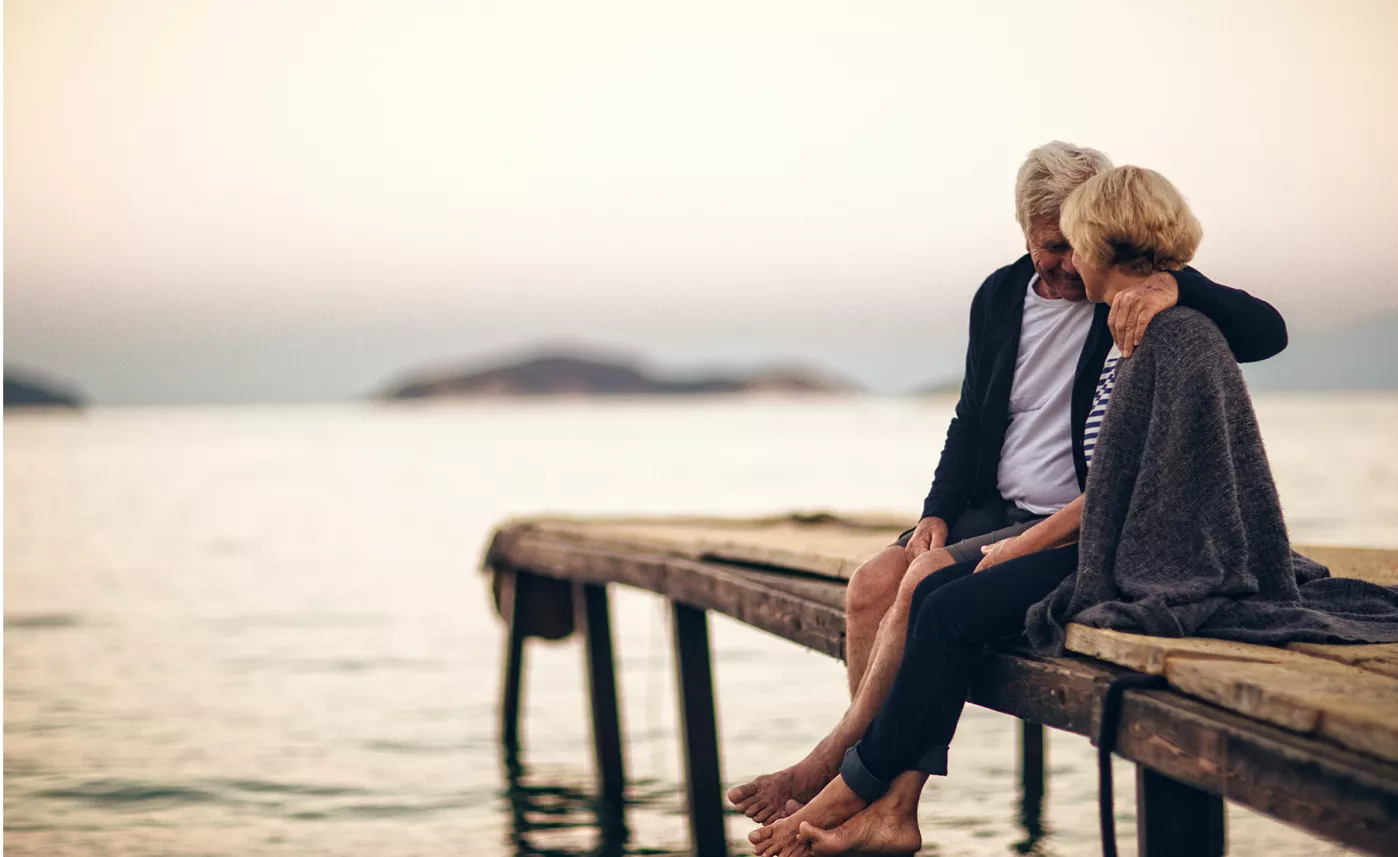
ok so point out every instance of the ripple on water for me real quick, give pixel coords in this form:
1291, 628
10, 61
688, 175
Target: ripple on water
15, 622
118, 794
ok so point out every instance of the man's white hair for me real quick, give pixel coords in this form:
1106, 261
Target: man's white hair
1049, 174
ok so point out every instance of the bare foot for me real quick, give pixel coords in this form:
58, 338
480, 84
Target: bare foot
886, 827
764, 799
833, 806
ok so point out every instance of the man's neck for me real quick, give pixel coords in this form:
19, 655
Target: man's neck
1043, 289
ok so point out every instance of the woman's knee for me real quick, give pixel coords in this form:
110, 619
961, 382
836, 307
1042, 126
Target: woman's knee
948, 612
931, 572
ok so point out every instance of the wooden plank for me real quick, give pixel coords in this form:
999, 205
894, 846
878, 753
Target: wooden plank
1371, 564
1351, 707
753, 597
1151, 654
699, 727
594, 618
829, 545
821, 549
1342, 795
1290, 688
1381, 658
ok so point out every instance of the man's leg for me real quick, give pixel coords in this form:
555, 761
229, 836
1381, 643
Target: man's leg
870, 593
874, 585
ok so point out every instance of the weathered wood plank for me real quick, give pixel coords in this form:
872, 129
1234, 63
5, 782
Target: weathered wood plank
829, 545
1349, 706
1151, 654
750, 596
1289, 688
1371, 564
1381, 658
1342, 795
830, 551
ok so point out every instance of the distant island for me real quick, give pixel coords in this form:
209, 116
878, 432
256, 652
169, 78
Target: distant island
570, 375
23, 390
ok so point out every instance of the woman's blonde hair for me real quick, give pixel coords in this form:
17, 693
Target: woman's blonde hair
1048, 175
1132, 218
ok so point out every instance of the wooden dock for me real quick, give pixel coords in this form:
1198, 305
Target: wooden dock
1307, 734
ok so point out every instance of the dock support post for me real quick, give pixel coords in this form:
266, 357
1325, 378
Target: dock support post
699, 728
594, 618
513, 605
1031, 771
1176, 820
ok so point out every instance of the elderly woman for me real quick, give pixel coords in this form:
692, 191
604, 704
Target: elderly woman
1179, 533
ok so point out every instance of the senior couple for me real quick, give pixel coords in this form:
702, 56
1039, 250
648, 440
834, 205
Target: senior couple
1103, 466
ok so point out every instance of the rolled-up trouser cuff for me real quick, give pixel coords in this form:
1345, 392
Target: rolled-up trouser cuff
934, 761
860, 781
870, 788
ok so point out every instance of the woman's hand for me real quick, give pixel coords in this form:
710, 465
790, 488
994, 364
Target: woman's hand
1003, 551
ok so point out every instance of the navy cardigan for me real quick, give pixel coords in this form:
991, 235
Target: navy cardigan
968, 472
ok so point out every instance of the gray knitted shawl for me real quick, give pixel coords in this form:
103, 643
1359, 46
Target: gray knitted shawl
1182, 531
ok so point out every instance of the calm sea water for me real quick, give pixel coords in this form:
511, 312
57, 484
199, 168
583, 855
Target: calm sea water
241, 631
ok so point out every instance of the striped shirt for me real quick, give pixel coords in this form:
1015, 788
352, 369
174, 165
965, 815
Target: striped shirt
1105, 382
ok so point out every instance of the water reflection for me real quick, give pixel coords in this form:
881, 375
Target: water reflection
1031, 821
539, 810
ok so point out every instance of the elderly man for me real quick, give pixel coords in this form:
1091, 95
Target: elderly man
1013, 452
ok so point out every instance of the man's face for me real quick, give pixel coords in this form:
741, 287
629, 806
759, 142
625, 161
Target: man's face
1094, 277
1052, 259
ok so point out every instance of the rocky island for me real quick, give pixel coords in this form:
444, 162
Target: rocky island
566, 375
23, 390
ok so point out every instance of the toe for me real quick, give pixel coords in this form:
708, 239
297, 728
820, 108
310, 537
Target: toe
792, 807
738, 794
822, 841
766, 815
759, 835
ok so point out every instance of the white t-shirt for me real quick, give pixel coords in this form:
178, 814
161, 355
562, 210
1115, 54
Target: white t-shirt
1036, 462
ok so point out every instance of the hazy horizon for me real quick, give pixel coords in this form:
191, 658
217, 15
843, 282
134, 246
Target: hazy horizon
224, 202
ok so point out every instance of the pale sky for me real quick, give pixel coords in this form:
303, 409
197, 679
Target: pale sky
232, 201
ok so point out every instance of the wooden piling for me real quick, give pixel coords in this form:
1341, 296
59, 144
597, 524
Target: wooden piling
1031, 765
594, 618
699, 728
1176, 820
513, 603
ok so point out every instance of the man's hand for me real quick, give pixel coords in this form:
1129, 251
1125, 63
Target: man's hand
1135, 305
1004, 550
930, 533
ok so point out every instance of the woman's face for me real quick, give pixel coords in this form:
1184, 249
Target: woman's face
1094, 277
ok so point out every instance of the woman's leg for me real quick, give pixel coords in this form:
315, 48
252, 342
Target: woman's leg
915, 726
862, 710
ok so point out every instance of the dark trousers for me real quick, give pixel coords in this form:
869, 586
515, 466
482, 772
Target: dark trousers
955, 613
